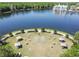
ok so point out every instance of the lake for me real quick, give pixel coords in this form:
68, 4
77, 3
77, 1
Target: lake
63, 21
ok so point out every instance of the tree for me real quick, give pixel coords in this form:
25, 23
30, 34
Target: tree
6, 51
76, 37
72, 52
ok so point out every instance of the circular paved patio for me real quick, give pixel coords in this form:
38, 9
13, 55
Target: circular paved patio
39, 44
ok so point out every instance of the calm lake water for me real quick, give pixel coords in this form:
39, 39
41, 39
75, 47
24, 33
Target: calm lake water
64, 21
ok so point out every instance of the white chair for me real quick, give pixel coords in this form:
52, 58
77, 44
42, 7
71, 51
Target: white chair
39, 30
63, 45
16, 32
18, 44
26, 31
62, 39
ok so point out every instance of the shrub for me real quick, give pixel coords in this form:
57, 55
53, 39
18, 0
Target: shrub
6, 51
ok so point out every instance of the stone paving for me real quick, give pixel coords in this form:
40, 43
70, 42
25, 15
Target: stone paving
39, 44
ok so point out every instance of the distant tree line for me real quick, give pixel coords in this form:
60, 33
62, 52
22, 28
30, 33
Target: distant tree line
14, 6
4, 7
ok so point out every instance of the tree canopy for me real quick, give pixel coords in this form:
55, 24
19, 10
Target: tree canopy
76, 36
72, 52
6, 51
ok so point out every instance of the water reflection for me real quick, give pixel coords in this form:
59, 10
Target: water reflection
7, 15
61, 12
40, 19
42, 11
